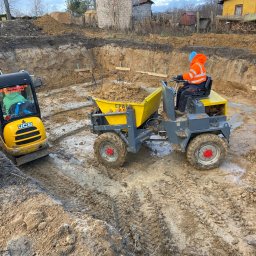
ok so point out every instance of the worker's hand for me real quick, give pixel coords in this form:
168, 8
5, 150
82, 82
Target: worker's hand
177, 78
180, 77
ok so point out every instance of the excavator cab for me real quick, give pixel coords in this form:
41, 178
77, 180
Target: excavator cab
22, 133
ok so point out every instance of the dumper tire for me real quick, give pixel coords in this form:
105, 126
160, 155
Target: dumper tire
110, 150
207, 151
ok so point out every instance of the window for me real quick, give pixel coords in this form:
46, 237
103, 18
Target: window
239, 10
17, 102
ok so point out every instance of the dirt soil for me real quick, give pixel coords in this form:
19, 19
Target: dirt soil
52, 27
15, 28
120, 92
156, 204
40, 225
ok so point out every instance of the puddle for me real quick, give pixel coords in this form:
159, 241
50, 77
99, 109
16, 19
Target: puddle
235, 121
159, 148
85, 176
81, 144
235, 171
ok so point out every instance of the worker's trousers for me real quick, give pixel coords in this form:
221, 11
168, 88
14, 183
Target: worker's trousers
187, 91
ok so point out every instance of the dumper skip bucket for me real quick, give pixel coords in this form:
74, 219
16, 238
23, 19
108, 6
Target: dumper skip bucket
142, 110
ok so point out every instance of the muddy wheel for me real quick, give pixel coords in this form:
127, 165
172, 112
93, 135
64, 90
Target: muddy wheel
207, 151
110, 150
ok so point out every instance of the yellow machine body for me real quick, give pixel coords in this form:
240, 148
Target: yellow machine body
215, 101
142, 110
24, 136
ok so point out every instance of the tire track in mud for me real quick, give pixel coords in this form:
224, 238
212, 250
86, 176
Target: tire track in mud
213, 216
142, 224
231, 204
134, 214
74, 197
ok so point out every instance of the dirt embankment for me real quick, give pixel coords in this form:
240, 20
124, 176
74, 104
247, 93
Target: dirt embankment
19, 28
52, 27
55, 54
32, 223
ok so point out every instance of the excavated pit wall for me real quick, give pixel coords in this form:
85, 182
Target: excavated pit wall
237, 72
55, 60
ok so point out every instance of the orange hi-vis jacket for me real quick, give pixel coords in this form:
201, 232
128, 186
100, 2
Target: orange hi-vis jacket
197, 72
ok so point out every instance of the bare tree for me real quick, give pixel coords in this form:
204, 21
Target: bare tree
37, 8
7, 10
210, 6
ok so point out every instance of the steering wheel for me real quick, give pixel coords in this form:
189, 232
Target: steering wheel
177, 83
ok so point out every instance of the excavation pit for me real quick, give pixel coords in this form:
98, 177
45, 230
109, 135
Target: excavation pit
156, 204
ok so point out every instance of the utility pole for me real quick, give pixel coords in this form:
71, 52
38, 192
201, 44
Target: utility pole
7, 10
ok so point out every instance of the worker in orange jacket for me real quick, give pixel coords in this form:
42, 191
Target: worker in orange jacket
195, 80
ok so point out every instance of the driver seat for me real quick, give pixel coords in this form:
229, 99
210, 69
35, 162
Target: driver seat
208, 86
203, 93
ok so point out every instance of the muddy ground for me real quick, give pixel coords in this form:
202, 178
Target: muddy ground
157, 204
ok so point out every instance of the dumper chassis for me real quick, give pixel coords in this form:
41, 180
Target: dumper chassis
203, 133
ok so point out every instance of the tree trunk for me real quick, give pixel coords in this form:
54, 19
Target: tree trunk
7, 10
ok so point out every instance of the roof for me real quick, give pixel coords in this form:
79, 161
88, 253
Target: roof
140, 2
14, 79
221, 1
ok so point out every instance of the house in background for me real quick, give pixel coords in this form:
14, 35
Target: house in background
239, 9
141, 9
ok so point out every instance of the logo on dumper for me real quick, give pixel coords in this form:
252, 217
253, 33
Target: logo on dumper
120, 107
25, 125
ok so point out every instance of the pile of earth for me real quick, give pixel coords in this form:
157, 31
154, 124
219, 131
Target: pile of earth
32, 223
19, 28
120, 92
52, 27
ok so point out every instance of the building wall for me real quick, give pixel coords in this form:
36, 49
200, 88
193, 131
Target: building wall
114, 13
249, 7
141, 12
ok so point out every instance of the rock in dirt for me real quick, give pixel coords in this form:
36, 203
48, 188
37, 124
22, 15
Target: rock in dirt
64, 230
20, 247
18, 220
251, 240
71, 239
33, 219
42, 225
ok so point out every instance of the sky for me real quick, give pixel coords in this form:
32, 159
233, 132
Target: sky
24, 6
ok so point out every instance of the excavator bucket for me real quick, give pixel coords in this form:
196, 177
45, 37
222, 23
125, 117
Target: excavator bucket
32, 156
